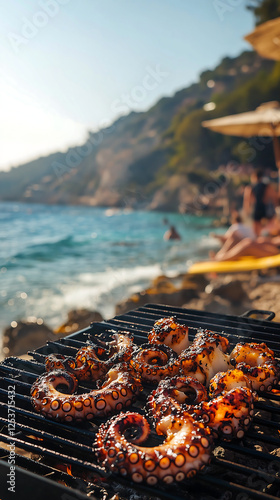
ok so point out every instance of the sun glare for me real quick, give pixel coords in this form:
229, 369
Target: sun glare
28, 129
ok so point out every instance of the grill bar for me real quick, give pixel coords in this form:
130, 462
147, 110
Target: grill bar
38, 417
229, 485
42, 450
42, 487
260, 455
57, 441
48, 436
243, 468
230, 332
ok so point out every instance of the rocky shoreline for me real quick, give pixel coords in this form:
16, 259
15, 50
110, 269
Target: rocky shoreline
222, 294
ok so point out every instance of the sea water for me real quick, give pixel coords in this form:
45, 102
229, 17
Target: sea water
57, 258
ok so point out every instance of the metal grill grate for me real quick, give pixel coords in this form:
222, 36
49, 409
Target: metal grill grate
242, 470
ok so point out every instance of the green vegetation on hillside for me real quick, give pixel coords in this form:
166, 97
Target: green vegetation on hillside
162, 158
158, 158
264, 10
194, 148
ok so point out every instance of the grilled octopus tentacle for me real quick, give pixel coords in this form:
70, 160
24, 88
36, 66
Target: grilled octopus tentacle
117, 392
205, 357
61, 362
185, 451
92, 362
223, 382
175, 395
121, 347
171, 333
229, 415
257, 361
153, 362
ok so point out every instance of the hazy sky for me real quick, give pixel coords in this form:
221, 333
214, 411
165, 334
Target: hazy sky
68, 66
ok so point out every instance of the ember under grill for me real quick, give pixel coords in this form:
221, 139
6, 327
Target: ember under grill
56, 461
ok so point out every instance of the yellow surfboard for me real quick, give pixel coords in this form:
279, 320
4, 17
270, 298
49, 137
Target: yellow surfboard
243, 264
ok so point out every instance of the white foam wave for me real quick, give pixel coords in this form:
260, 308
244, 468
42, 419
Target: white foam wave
208, 242
96, 291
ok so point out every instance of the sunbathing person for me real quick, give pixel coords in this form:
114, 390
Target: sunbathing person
237, 232
238, 229
272, 227
260, 247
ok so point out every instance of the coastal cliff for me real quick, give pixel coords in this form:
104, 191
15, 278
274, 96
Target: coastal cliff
160, 159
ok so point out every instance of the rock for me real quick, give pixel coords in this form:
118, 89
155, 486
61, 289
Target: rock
171, 291
218, 305
266, 296
77, 320
198, 281
176, 298
232, 290
174, 193
25, 336
164, 286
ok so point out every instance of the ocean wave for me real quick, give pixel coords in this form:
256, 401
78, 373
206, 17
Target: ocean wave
50, 249
125, 243
208, 242
102, 290
65, 258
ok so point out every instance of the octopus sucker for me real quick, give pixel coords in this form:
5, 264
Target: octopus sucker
180, 455
153, 362
258, 363
206, 356
49, 400
174, 396
93, 361
170, 332
203, 393
228, 415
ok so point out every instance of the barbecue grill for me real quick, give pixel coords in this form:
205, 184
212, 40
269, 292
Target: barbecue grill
56, 461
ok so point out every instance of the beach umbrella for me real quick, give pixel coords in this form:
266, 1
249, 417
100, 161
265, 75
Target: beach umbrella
263, 122
266, 39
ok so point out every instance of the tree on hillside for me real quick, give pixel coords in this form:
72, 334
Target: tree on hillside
264, 10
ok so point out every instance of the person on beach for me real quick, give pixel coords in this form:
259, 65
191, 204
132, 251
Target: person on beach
259, 247
238, 230
272, 228
260, 199
172, 234
240, 241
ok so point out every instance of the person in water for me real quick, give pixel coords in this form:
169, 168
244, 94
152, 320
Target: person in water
172, 234
262, 197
